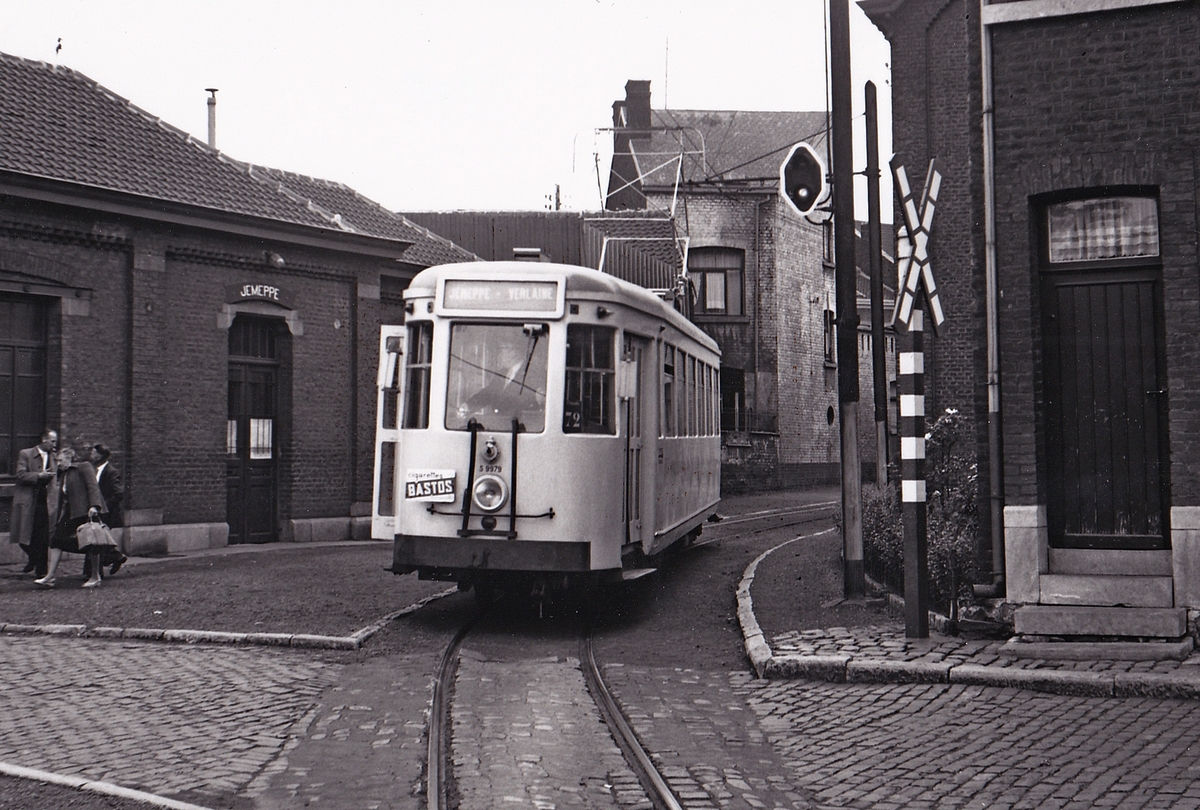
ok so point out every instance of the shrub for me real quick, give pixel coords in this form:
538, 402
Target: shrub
951, 474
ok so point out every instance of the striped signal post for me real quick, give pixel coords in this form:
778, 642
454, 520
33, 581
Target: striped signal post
911, 385
915, 277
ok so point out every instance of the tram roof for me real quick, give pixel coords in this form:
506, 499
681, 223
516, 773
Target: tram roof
580, 280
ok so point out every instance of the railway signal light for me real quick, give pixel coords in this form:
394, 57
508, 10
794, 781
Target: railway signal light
802, 179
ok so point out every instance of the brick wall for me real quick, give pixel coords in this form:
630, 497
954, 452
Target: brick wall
936, 114
778, 342
153, 327
1084, 102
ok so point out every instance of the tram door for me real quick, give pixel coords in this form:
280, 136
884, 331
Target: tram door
631, 388
251, 435
387, 433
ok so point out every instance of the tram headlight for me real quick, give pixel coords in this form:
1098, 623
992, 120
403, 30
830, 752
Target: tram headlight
489, 493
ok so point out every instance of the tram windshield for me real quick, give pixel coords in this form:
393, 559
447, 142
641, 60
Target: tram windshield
497, 373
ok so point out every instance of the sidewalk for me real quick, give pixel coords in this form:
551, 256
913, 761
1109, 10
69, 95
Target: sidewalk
881, 653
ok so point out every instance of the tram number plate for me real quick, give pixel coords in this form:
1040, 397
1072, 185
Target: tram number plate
429, 485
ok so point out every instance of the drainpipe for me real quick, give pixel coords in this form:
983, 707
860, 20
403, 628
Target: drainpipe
757, 279
995, 466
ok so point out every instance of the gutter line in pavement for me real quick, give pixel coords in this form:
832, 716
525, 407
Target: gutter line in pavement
107, 788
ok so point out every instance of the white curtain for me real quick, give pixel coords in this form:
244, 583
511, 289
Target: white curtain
1105, 228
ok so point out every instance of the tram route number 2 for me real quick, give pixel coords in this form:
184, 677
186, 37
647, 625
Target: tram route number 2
572, 419
429, 485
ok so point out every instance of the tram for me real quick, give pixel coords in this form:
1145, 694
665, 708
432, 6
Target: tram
541, 425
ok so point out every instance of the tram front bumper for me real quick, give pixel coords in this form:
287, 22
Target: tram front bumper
423, 553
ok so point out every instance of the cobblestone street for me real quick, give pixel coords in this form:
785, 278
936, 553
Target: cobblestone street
951, 746
527, 734
167, 719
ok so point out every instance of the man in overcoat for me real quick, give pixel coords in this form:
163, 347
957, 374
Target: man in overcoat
113, 492
29, 525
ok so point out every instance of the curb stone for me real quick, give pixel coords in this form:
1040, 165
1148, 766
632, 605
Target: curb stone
1185, 685
883, 670
1085, 684
293, 640
1181, 684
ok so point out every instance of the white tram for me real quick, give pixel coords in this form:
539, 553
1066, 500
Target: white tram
541, 423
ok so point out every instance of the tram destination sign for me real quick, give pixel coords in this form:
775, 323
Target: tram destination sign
540, 296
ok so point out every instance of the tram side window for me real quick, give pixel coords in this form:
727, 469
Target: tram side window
693, 399
416, 375
710, 399
589, 400
683, 377
668, 426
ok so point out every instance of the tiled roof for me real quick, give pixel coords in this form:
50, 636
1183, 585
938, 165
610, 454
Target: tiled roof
653, 235
350, 210
730, 146
57, 124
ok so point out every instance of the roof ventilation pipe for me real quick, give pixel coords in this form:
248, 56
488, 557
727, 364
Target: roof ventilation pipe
212, 116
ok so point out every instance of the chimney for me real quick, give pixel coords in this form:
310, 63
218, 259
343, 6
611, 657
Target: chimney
212, 116
631, 132
637, 105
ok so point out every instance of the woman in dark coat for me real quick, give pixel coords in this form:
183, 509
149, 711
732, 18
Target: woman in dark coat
78, 499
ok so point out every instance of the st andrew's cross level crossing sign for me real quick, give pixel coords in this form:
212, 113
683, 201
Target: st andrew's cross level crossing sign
913, 248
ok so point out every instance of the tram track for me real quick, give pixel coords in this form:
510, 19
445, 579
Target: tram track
767, 520
438, 753
442, 791
439, 738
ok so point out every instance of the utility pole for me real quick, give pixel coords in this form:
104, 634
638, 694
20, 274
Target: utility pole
875, 250
847, 304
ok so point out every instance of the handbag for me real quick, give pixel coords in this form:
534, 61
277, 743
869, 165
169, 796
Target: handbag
94, 533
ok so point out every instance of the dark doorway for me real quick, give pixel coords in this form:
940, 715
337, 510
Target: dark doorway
1106, 404
23, 323
733, 400
252, 433
23, 336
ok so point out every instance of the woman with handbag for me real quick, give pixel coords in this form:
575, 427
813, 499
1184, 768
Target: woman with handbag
78, 499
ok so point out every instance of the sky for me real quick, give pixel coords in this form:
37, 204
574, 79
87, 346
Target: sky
447, 104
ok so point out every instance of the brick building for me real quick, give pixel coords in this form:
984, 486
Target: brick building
215, 323
1066, 252
762, 281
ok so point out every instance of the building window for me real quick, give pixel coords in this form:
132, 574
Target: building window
827, 240
716, 275
830, 337
1104, 228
